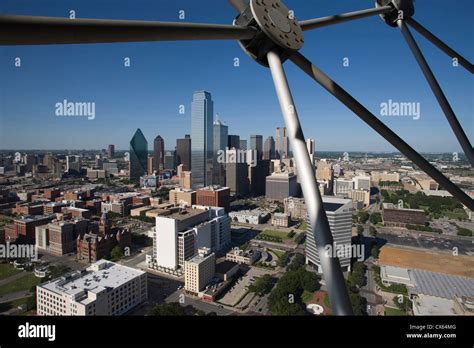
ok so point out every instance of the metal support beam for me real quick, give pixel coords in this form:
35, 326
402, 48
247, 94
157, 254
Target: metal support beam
440, 44
369, 118
438, 92
343, 17
319, 224
31, 30
239, 5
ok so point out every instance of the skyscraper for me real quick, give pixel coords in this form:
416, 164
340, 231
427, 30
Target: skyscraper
339, 213
269, 149
233, 141
202, 146
256, 143
138, 155
220, 143
282, 143
311, 146
183, 152
243, 144
111, 151
158, 153
220, 136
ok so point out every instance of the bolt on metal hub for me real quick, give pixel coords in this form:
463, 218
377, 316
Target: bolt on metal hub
275, 20
278, 29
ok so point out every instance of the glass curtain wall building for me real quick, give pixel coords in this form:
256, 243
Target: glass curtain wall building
202, 145
138, 155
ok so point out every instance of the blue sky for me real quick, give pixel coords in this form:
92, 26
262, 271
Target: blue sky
163, 75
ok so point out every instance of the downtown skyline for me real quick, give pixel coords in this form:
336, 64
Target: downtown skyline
149, 93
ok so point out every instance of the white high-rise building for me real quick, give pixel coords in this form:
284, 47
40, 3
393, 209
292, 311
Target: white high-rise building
178, 236
103, 288
339, 214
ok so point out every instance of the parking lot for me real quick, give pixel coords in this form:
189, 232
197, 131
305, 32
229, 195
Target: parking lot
241, 286
464, 247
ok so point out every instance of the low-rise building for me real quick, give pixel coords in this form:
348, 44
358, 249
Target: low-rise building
281, 220
247, 257
103, 288
400, 217
199, 271
253, 217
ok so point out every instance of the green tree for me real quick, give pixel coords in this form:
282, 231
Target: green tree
298, 262
357, 276
375, 218
262, 285
116, 253
375, 251
168, 309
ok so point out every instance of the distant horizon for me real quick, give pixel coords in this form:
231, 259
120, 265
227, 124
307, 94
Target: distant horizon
318, 151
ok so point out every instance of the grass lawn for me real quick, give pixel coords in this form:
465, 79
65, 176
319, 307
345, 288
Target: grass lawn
456, 214
307, 296
277, 234
278, 253
394, 312
24, 283
302, 226
7, 270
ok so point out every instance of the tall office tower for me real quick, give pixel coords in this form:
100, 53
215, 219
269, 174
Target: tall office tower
30, 161
282, 143
256, 143
168, 162
310, 145
243, 144
339, 213
233, 141
48, 160
73, 164
183, 152
236, 178
202, 145
138, 155
257, 177
220, 143
269, 149
221, 132
150, 165
158, 154
111, 151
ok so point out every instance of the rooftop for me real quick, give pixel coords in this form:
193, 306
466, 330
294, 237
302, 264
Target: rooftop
95, 278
